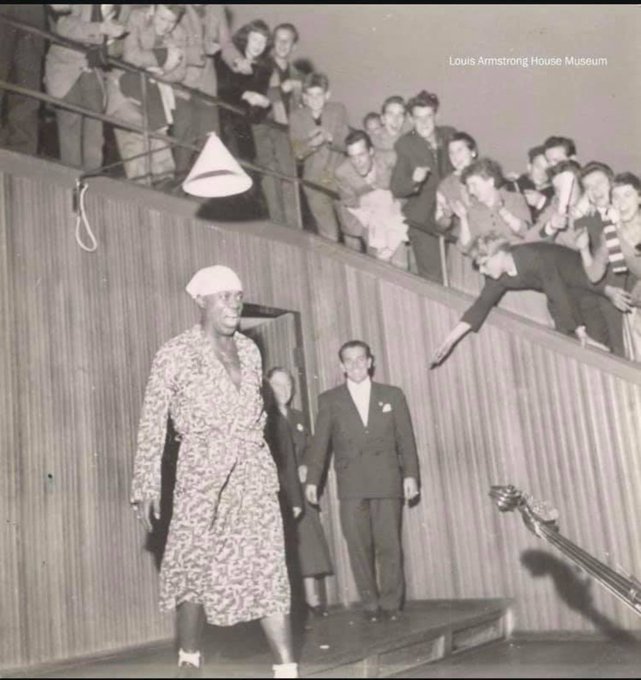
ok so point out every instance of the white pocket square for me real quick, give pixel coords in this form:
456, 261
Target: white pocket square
387, 408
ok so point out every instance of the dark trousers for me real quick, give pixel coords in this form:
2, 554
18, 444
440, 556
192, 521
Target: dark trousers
321, 206
274, 151
21, 63
193, 119
372, 529
603, 322
427, 254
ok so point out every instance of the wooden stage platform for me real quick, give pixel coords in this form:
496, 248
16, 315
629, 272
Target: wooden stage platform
341, 645
426, 632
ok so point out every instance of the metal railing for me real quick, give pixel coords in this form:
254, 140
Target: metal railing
169, 140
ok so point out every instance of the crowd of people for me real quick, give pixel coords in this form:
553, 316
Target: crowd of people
389, 190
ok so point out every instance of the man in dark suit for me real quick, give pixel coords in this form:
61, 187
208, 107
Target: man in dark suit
369, 428
422, 162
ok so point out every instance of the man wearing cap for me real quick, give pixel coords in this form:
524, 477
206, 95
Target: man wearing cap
224, 559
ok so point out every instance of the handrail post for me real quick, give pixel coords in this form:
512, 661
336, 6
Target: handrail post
295, 220
145, 126
441, 250
297, 200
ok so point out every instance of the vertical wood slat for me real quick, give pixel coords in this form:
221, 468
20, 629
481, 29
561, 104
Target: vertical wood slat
78, 333
12, 586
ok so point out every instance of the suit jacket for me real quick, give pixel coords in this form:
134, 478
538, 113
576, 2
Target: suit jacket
351, 186
140, 44
319, 163
483, 220
283, 103
549, 268
522, 184
34, 15
413, 151
370, 461
139, 49
300, 433
205, 35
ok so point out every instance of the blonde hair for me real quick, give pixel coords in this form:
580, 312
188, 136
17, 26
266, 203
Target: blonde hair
486, 245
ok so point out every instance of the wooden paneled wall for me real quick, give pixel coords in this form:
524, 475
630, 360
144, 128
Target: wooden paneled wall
516, 403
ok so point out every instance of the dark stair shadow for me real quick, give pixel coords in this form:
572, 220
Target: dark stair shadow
574, 588
157, 539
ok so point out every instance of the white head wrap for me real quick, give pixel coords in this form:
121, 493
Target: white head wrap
212, 280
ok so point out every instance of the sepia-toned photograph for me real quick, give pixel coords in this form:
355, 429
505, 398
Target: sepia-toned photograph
320, 340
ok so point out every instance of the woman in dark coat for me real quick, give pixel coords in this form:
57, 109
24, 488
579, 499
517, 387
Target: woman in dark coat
289, 435
245, 85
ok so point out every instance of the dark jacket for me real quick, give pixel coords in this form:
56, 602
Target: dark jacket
413, 151
549, 268
370, 461
281, 443
522, 184
236, 128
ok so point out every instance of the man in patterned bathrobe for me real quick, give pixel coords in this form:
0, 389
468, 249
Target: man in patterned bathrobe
224, 559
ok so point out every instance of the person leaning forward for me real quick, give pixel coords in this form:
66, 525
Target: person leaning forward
369, 428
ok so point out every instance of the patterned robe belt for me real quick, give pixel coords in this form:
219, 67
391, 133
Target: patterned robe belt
246, 449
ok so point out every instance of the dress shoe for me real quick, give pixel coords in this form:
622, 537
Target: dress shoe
390, 615
318, 611
372, 615
188, 670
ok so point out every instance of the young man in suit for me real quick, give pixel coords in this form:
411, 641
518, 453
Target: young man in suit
318, 131
422, 162
369, 428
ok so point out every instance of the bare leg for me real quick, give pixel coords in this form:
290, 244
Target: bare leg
190, 619
279, 635
321, 586
311, 596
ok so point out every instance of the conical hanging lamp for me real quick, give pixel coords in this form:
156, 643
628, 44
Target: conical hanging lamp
216, 173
